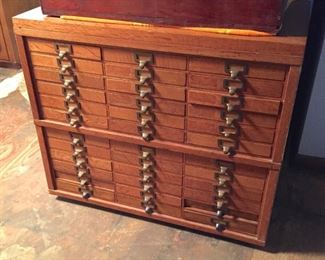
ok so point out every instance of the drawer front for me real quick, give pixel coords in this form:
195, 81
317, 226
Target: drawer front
81, 163
75, 50
238, 103
222, 194
148, 178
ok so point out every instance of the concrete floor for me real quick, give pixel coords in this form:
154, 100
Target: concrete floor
35, 225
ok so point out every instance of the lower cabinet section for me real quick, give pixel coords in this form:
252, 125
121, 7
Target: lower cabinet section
219, 197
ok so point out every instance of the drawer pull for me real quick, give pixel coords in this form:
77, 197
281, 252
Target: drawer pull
236, 70
229, 131
143, 76
86, 194
81, 164
74, 121
149, 209
78, 154
70, 97
146, 180
221, 225
221, 203
144, 105
77, 141
63, 54
221, 213
146, 153
222, 191
82, 173
63, 47
66, 69
144, 90
231, 104
147, 191
231, 119
147, 166
233, 86
143, 59
228, 147
146, 133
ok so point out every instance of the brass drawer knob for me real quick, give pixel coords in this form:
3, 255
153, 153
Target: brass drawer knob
228, 147
143, 59
75, 122
82, 173
231, 104
222, 192
145, 105
149, 210
74, 111
221, 203
143, 76
235, 69
231, 119
234, 87
221, 226
70, 97
229, 132
63, 54
86, 194
221, 213
67, 68
147, 133
144, 90
81, 163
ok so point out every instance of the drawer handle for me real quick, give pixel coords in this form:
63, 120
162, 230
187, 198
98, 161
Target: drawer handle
233, 86
229, 132
147, 133
146, 153
221, 213
146, 165
147, 191
145, 105
77, 141
74, 121
82, 173
74, 111
79, 153
231, 104
146, 180
236, 70
228, 147
66, 68
222, 191
81, 163
143, 76
231, 119
146, 121
63, 54
143, 59
144, 90
221, 226
221, 203
63, 47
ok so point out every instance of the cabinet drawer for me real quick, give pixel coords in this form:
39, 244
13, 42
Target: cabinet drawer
98, 193
160, 207
160, 60
163, 76
161, 132
206, 98
249, 133
247, 118
160, 90
76, 50
161, 105
255, 70
79, 65
83, 79
252, 86
86, 94
159, 119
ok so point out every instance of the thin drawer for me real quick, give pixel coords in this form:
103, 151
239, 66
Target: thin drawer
87, 120
160, 187
160, 90
255, 70
255, 87
76, 50
238, 191
160, 119
99, 178
160, 154
54, 89
160, 60
245, 147
163, 76
234, 203
161, 208
83, 79
161, 105
251, 104
79, 65
234, 224
89, 108
98, 193
248, 118
249, 133
161, 132
160, 164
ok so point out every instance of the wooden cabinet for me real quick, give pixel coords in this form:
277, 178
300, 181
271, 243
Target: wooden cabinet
139, 120
8, 48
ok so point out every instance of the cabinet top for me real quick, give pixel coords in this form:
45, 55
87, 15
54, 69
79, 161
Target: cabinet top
274, 49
